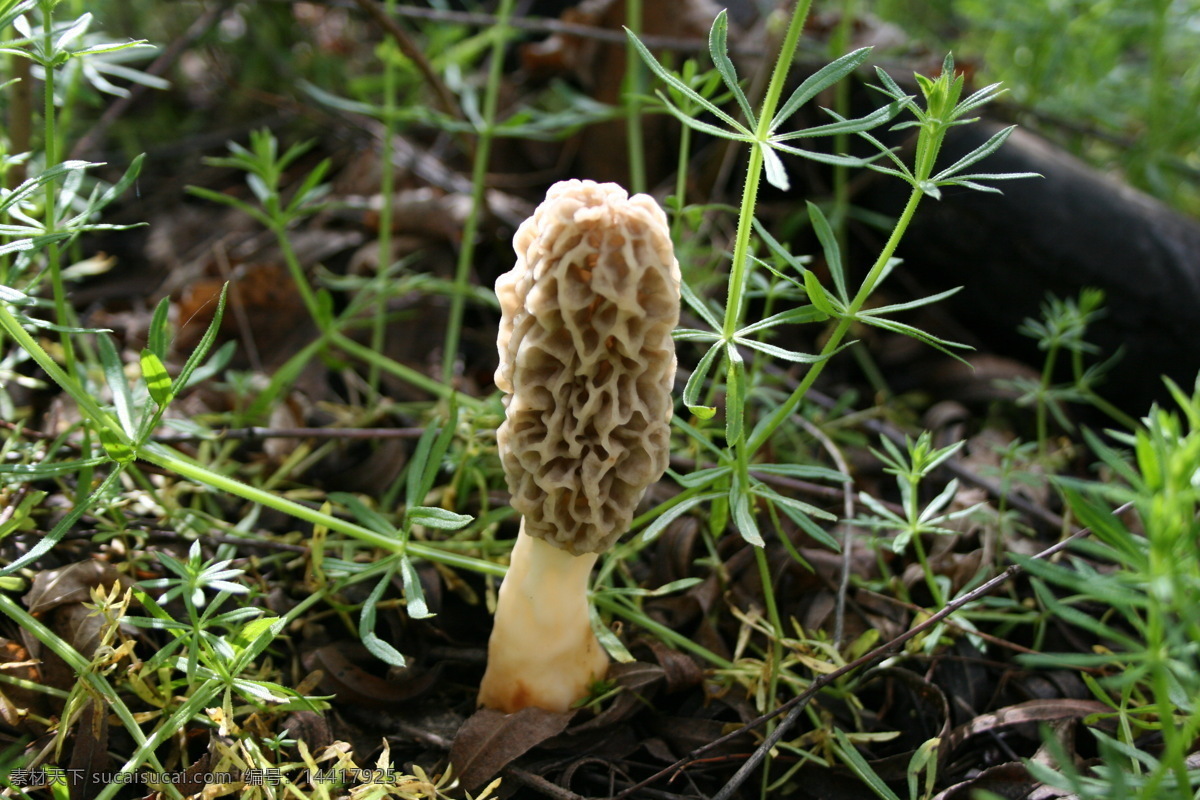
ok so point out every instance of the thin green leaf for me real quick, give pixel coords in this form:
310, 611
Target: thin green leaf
440, 518
829, 246
843, 125
47, 542
28, 187
697, 304
695, 383
911, 304
364, 514
767, 493
99, 200
114, 375
76, 30
890, 87
157, 337
205, 344
50, 469
608, 640
978, 98
859, 766
158, 381
426, 461
818, 82
820, 298
942, 345
366, 626
228, 200
15, 298
1112, 458
41, 324
694, 335
795, 356
654, 529
1073, 616
217, 362
800, 315
738, 134
823, 158
795, 262
773, 165
719, 52
691, 94
743, 518
807, 524
701, 477
979, 153
735, 395
803, 472
414, 595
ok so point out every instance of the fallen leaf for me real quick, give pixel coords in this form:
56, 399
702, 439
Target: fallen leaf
70, 584
490, 740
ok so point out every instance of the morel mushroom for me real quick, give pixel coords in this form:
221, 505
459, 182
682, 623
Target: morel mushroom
587, 363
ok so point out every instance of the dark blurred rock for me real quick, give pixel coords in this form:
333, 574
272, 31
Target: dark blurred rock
1074, 228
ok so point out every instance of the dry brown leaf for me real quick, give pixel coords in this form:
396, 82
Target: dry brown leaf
355, 684
1011, 781
490, 740
89, 753
70, 584
1030, 712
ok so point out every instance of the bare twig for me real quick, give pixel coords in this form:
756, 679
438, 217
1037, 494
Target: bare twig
795, 706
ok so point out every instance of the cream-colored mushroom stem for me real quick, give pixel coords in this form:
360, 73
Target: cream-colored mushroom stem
542, 652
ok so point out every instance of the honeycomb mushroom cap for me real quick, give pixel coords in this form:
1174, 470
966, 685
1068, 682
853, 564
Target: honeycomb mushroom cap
587, 362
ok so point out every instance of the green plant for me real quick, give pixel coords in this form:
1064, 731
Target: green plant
1061, 331
728, 336
1110, 80
1148, 573
911, 466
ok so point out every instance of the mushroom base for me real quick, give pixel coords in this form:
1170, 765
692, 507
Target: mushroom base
542, 651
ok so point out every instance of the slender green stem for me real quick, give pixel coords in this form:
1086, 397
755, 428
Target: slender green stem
685, 145
775, 658
740, 266
1043, 400
483, 149
935, 591
415, 377
633, 106
782, 412
177, 463
279, 228
621, 607
838, 46
738, 270
387, 180
50, 212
